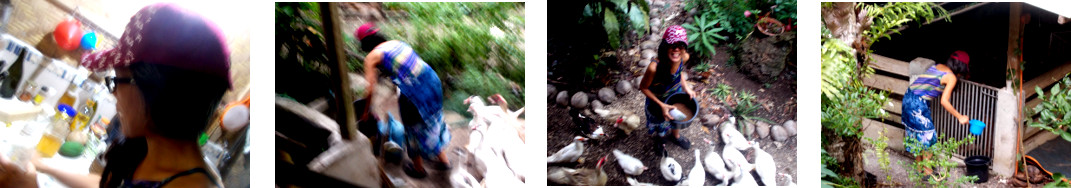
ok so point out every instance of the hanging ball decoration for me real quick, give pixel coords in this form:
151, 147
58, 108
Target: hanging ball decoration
89, 41
67, 34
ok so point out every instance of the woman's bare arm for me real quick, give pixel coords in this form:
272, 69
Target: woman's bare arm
372, 76
946, 95
70, 179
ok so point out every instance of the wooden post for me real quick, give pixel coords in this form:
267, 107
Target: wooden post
333, 38
1008, 124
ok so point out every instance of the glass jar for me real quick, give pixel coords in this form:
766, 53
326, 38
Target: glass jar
56, 132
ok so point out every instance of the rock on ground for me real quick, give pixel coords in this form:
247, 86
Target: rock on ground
623, 87
551, 91
790, 127
778, 133
563, 98
607, 95
762, 128
596, 105
580, 100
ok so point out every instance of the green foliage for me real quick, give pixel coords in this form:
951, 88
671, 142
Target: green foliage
830, 179
297, 25
839, 66
890, 16
722, 91
477, 48
784, 10
1055, 109
843, 115
704, 34
730, 14
941, 162
614, 15
880, 143
1059, 181
702, 67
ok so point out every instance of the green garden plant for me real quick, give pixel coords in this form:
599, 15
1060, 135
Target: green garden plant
704, 34
1054, 109
614, 15
942, 151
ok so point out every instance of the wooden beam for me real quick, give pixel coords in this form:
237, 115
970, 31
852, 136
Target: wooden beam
889, 65
955, 12
892, 85
1046, 80
895, 108
340, 71
1032, 142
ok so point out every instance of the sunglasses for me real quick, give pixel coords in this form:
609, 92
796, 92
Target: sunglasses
112, 81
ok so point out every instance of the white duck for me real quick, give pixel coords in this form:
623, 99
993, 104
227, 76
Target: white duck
597, 134
765, 166
461, 178
569, 153
579, 177
633, 182
789, 179
628, 123
629, 164
733, 138
745, 180
716, 167
696, 177
671, 170
738, 165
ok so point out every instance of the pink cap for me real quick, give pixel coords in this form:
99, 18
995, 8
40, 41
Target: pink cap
365, 30
167, 34
961, 56
675, 34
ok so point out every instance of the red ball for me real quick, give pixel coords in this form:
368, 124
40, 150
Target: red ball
68, 34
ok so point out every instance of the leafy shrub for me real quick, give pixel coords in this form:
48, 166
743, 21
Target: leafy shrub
704, 34
942, 150
1055, 109
614, 15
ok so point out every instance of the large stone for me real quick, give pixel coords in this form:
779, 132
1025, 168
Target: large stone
551, 91
563, 98
762, 128
648, 53
597, 105
711, 120
790, 127
607, 95
644, 62
623, 87
765, 58
778, 133
749, 128
580, 100
650, 44
656, 25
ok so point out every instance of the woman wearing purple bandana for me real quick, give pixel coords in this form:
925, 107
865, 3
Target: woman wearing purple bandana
665, 77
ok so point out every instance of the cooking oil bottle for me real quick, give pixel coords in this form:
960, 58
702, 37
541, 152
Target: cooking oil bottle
84, 115
57, 131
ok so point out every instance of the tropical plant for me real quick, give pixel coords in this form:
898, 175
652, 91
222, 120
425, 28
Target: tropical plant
704, 34
829, 178
784, 10
614, 15
1061, 181
890, 16
1054, 109
941, 162
730, 14
722, 92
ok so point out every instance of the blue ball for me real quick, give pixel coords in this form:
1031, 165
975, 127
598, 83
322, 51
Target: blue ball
89, 41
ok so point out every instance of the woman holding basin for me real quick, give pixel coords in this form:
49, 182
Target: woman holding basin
664, 78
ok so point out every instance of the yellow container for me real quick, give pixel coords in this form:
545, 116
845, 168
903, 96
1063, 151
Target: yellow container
49, 145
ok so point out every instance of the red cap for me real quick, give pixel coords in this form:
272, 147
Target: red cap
675, 34
167, 34
961, 56
365, 30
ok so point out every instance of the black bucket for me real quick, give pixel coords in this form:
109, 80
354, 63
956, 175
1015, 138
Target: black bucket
978, 166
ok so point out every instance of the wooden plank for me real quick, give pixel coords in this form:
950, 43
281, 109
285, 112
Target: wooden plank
871, 129
889, 65
895, 108
1045, 80
1032, 142
892, 85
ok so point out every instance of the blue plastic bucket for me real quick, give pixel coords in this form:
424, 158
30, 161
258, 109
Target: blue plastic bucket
977, 127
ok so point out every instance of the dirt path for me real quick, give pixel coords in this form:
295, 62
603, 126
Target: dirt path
778, 99
899, 174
